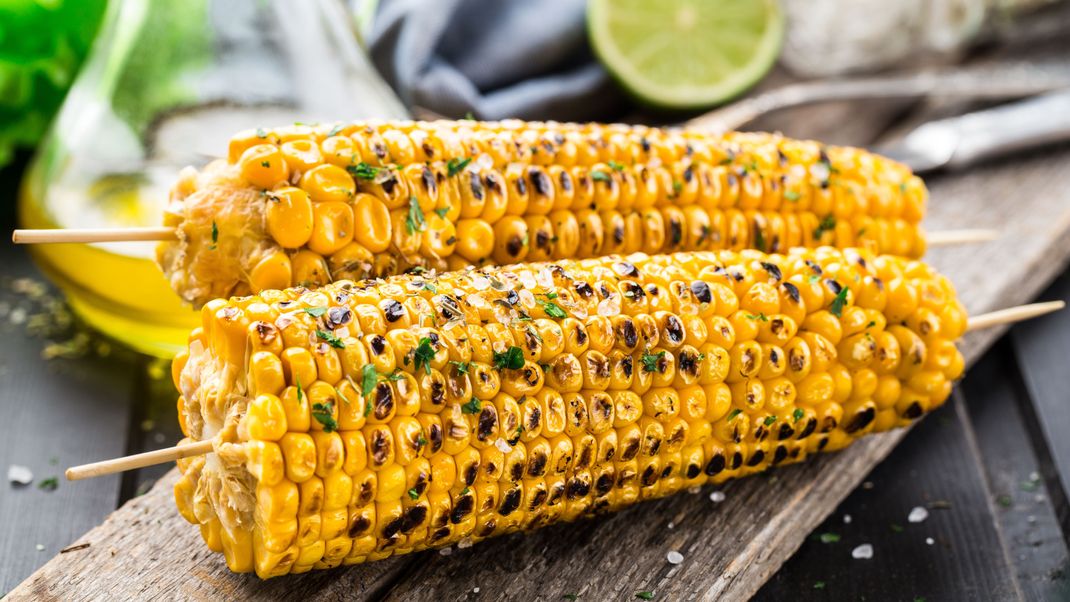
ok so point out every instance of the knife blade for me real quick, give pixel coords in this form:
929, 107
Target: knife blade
961, 141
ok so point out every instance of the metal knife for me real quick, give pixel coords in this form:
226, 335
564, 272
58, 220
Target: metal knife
960, 141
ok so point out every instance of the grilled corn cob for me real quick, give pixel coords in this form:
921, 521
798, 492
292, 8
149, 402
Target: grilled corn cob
364, 420
308, 205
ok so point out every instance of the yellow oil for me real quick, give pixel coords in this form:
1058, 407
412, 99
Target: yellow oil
115, 287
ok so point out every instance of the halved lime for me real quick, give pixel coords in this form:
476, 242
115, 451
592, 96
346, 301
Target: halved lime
684, 54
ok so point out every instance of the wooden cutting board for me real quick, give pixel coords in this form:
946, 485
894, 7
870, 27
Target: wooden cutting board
145, 550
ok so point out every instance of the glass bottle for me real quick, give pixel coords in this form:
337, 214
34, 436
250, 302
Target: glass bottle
165, 85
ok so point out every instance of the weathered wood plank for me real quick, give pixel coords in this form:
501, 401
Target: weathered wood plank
935, 463
996, 401
52, 413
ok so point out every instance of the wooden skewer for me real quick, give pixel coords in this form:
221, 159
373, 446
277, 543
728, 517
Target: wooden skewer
1012, 315
151, 458
958, 237
57, 235
96, 469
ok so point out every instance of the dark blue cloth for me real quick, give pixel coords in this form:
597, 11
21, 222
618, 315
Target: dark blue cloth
495, 59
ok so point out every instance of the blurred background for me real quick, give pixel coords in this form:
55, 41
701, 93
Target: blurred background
104, 101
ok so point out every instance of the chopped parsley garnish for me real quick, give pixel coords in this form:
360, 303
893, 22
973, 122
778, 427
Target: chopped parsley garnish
300, 393
442, 211
829, 537
472, 407
510, 359
455, 166
466, 490
315, 312
798, 414
330, 339
368, 379
819, 585
759, 240
367, 407
421, 440
792, 195
650, 360
363, 171
644, 595
600, 176
430, 287
423, 354
396, 376
836, 308
761, 317
49, 484
341, 395
1005, 501
571, 597
414, 219
813, 278
550, 295
871, 324
769, 420
677, 186
733, 414
826, 225
265, 164
552, 309
261, 133
215, 236
413, 494
462, 367
615, 166
334, 131
324, 414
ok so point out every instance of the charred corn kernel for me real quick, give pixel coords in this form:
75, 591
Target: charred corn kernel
355, 429
604, 189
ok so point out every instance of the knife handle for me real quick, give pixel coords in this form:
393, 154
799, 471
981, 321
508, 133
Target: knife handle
1002, 130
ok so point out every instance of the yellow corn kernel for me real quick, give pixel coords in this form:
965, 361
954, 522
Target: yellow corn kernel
263, 166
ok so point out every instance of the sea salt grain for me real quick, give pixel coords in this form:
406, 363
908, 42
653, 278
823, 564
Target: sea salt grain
846, 519
717, 497
862, 552
930, 541
674, 557
19, 475
918, 514
445, 551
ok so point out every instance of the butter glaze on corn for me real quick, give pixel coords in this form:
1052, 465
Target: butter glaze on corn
305, 205
638, 377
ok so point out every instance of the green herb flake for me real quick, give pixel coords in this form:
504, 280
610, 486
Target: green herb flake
836, 308
215, 237
414, 219
510, 359
829, 537
462, 367
650, 360
1005, 501
644, 595
395, 376
421, 440
430, 287
324, 414
261, 133
456, 166
600, 176
368, 379
363, 171
424, 353
335, 130
677, 186
300, 393
315, 312
552, 309
571, 597
760, 317
798, 414
769, 420
813, 278
792, 196
896, 528
615, 166
826, 225
49, 484
472, 407
759, 240
265, 164
819, 585
330, 339
367, 407
733, 414
442, 211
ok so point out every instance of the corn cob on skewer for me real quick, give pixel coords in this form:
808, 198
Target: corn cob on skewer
369, 419
307, 205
